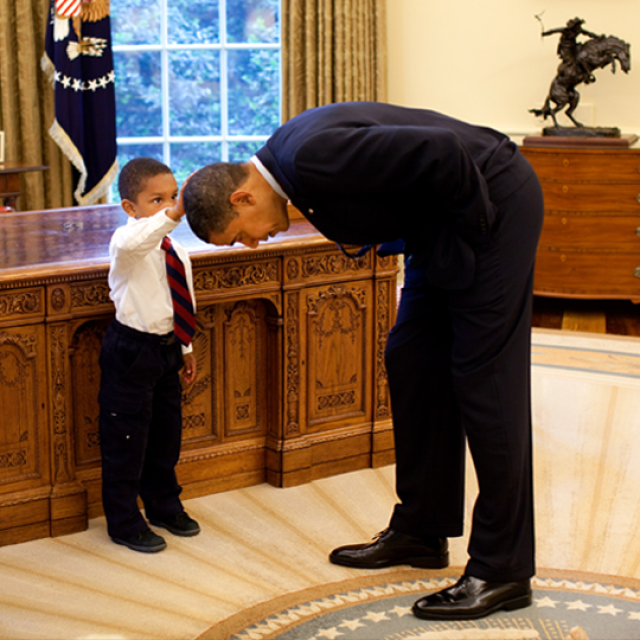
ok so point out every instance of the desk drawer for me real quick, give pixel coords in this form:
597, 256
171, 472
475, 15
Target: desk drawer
571, 196
585, 165
612, 233
584, 274
18, 306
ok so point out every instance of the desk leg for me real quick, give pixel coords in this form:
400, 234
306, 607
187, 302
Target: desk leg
68, 496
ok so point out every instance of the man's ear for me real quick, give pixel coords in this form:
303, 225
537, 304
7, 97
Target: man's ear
129, 207
241, 197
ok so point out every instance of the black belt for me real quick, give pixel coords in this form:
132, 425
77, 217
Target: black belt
161, 339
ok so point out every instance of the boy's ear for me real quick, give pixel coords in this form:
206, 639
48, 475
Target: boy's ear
129, 207
241, 197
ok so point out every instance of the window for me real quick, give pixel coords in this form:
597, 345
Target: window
197, 81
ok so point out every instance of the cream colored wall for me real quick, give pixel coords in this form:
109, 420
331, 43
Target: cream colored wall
485, 62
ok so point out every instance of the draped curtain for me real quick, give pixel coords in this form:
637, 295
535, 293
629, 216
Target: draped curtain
332, 51
26, 106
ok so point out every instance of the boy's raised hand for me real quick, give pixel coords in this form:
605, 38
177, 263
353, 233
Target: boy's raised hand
177, 211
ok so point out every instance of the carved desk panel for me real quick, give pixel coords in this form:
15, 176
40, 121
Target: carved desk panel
290, 384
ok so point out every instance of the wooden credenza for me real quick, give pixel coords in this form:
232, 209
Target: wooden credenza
291, 384
590, 242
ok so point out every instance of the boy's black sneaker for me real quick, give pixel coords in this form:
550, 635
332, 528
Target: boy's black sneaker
146, 541
180, 524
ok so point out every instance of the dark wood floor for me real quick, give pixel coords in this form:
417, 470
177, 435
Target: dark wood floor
619, 317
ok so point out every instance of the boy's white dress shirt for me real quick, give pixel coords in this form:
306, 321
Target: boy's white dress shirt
138, 274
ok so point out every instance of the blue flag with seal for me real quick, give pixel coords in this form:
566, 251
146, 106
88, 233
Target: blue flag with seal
79, 62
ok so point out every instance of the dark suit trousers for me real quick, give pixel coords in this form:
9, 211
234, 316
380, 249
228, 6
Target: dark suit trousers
458, 363
140, 427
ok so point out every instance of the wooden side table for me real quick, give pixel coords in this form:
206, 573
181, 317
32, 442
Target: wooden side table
10, 180
590, 245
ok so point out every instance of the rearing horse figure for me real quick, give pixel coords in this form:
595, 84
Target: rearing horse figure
579, 60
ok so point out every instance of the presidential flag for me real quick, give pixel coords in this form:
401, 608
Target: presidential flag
79, 62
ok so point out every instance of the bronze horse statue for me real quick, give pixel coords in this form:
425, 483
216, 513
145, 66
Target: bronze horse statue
579, 60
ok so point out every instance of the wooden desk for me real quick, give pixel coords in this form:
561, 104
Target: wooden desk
10, 180
291, 384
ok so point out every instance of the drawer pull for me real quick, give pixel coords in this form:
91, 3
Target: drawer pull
563, 259
638, 197
565, 162
565, 189
636, 272
638, 231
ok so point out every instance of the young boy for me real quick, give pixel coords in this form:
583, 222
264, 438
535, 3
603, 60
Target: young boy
142, 354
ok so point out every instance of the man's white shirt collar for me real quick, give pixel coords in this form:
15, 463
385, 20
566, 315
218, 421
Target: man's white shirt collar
266, 174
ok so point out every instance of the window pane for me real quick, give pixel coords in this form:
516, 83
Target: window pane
193, 21
242, 151
194, 93
135, 21
128, 152
184, 102
254, 92
189, 157
138, 94
252, 21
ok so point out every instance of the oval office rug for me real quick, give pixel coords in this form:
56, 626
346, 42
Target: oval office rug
566, 606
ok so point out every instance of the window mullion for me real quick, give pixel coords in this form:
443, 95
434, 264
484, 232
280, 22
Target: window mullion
164, 84
184, 152
224, 86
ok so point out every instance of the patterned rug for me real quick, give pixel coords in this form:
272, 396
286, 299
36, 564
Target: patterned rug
259, 569
566, 606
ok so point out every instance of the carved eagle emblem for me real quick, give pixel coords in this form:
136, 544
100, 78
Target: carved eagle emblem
77, 12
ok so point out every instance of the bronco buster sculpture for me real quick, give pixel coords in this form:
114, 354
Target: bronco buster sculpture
579, 60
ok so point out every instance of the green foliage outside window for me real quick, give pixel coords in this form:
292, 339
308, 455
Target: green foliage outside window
210, 69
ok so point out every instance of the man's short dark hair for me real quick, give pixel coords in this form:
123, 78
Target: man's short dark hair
134, 175
207, 197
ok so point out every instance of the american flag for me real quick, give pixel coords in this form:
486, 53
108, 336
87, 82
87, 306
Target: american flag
68, 8
79, 61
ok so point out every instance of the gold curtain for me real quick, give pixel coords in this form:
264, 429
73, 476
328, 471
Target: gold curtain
332, 51
26, 106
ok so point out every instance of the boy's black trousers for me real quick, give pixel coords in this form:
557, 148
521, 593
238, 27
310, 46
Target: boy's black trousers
140, 427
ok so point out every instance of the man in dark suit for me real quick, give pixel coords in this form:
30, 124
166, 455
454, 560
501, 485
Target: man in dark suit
468, 209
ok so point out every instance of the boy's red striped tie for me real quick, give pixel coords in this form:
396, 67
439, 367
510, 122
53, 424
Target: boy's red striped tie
184, 321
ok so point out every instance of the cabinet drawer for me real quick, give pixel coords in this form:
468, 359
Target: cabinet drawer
585, 165
614, 233
587, 196
582, 274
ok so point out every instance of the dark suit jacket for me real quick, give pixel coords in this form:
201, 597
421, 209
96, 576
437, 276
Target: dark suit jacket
368, 173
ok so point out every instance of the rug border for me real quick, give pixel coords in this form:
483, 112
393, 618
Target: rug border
227, 628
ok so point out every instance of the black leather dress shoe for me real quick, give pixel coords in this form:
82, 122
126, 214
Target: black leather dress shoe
146, 541
472, 598
180, 525
390, 548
